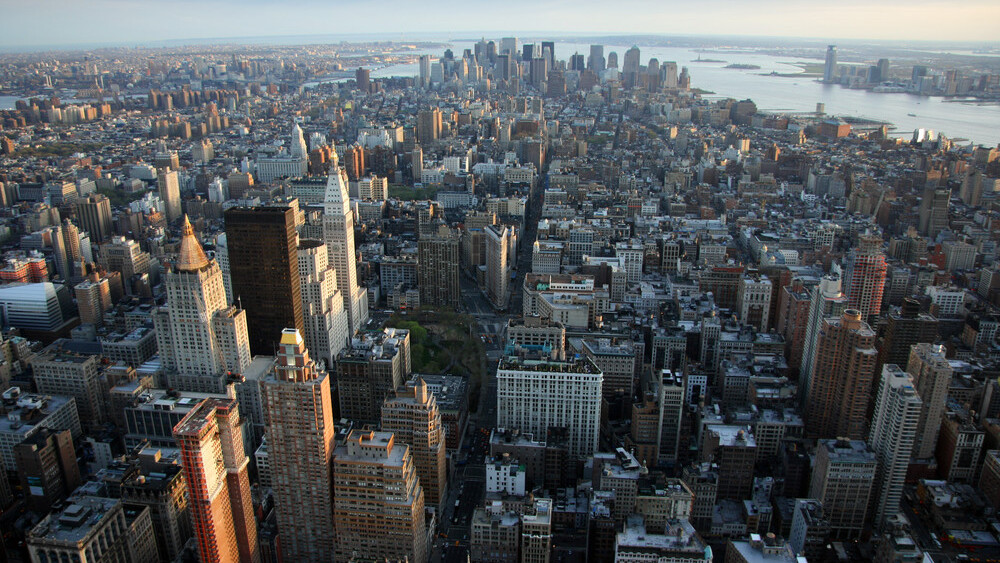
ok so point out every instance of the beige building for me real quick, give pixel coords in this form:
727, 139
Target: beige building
301, 440
378, 501
931, 373
498, 264
842, 480
413, 417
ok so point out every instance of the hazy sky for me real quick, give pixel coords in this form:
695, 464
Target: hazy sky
24, 23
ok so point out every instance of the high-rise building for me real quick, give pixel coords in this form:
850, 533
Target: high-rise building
370, 370
170, 193
63, 372
809, 529
429, 124
498, 264
894, 430
841, 381
93, 298
126, 256
47, 468
425, 71
378, 501
595, 61
842, 480
414, 419
754, 301
630, 67
94, 216
931, 373
201, 339
865, 276
437, 270
323, 312
262, 246
536, 393
671, 415
338, 234
933, 213
830, 67
903, 329
216, 469
301, 439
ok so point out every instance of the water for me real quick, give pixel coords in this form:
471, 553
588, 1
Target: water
977, 123
7, 102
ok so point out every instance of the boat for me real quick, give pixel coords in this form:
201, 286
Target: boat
912, 114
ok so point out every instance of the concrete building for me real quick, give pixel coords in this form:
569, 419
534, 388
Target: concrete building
301, 439
369, 371
809, 529
536, 532
61, 372
498, 264
754, 301
437, 270
841, 379
29, 413
338, 234
842, 479
535, 394
378, 501
323, 313
216, 470
94, 529
931, 374
200, 338
47, 468
825, 300
893, 433
412, 416
680, 543
169, 189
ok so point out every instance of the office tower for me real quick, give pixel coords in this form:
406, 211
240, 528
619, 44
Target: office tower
933, 213
301, 440
126, 256
577, 62
595, 61
734, 450
94, 216
425, 71
838, 399
754, 301
508, 45
62, 372
669, 71
842, 480
830, 67
671, 415
497, 264
503, 67
169, 189
216, 469
362, 77
528, 52
378, 501
903, 329
630, 67
931, 374
809, 529
93, 298
894, 430
539, 71
262, 248
338, 234
92, 528
298, 143
375, 365
826, 300
536, 393
323, 312
549, 53
149, 478
429, 123
864, 276
200, 338
437, 270
883, 70
47, 468
412, 416
417, 163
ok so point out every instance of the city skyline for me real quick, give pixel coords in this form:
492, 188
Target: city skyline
70, 24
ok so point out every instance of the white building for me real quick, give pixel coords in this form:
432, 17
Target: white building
323, 311
893, 433
505, 475
948, 300
754, 301
534, 395
338, 234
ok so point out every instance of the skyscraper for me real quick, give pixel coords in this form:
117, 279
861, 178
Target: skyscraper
842, 480
830, 68
338, 234
838, 399
425, 71
170, 192
262, 246
894, 430
931, 374
370, 370
497, 264
200, 338
216, 470
378, 501
630, 67
825, 300
865, 276
94, 216
437, 270
301, 439
298, 146
903, 329
414, 419
323, 311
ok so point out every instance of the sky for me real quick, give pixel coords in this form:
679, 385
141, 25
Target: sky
28, 23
